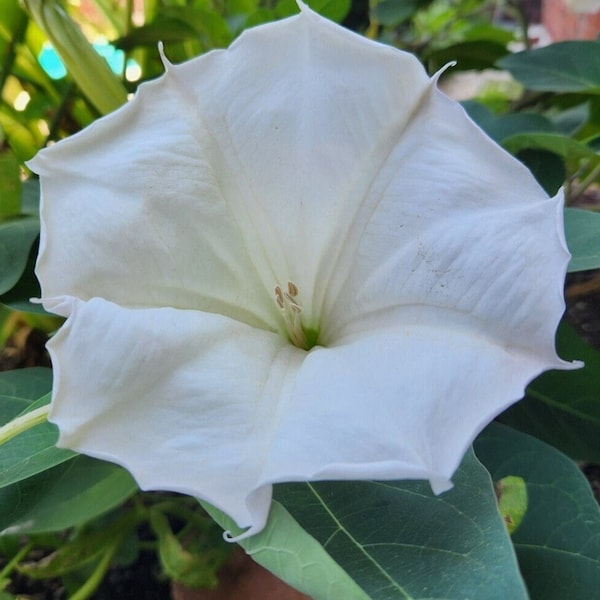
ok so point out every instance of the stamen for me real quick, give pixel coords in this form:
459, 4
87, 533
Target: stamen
291, 314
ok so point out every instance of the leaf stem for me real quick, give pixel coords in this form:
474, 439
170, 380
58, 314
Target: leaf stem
95, 579
23, 423
576, 191
14, 561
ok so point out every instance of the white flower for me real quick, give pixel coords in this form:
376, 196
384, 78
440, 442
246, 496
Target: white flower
292, 260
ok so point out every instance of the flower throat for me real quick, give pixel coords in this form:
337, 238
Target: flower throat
302, 337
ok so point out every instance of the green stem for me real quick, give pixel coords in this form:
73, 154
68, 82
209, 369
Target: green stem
23, 423
15, 560
95, 579
578, 190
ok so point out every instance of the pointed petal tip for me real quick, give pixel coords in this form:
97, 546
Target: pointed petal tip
167, 64
572, 365
436, 76
234, 539
440, 484
59, 305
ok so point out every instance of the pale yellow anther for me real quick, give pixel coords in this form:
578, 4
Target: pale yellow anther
291, 314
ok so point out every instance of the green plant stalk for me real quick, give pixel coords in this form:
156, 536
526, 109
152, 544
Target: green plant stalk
23, 423
576, 191
87, 68
14, 561
95, 579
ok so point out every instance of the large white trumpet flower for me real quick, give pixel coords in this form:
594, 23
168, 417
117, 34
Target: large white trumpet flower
292, 260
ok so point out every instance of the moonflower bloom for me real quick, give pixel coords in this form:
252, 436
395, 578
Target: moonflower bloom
292, 260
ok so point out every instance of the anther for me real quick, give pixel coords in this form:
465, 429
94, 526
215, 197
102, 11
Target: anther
291, 314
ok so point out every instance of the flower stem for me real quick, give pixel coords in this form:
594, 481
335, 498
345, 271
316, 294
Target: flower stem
23, 423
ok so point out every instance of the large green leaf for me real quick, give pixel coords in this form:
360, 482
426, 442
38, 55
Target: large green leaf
582, 229
17, 235
499, 127
66, 495
28, 287
19, 388
390, 538
390, 13
32, 451
547, 167
293, 555
399, 541
552, 142
572, 66
558, 541
563, 407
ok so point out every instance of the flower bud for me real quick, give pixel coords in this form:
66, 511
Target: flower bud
87, 68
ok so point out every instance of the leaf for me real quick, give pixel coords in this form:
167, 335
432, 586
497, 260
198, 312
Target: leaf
551, 142
194, 569
66, 495
562, 408
178, 24
31, 452
572, 66
558, 542
28, 287
21, 387
391, 13
162, 30
35, 450
582, 229
17, 235
335, 10
10, 183
512, 501
546, 167
471, 54
87, 546
289, 552
392, 536
503, 126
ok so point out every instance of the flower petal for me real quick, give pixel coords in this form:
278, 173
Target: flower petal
201, 404
430, 261
248, 152
399, 403
187, 401
454, 233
